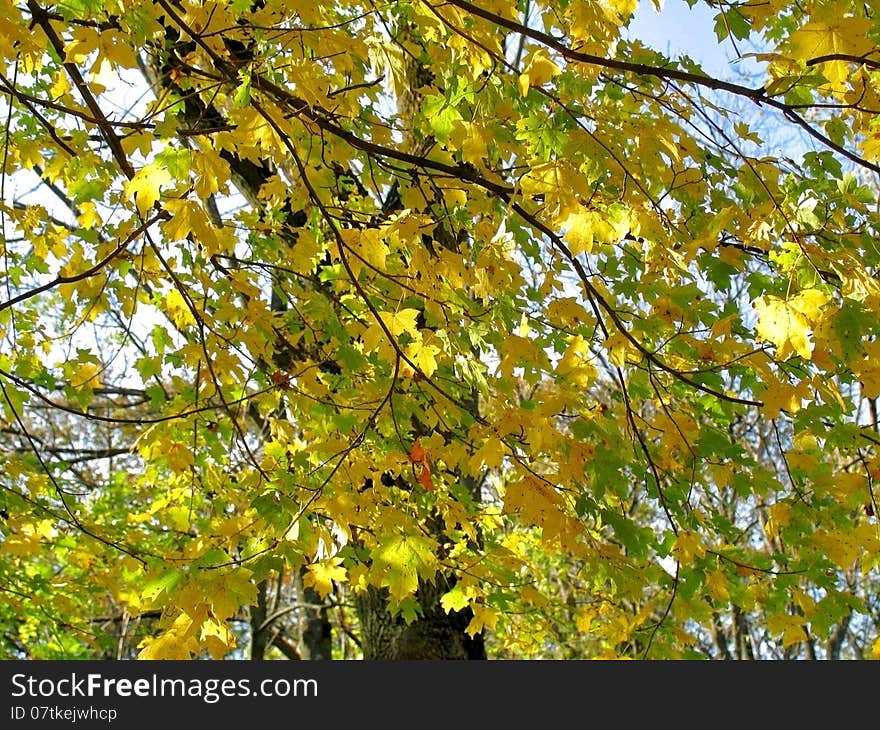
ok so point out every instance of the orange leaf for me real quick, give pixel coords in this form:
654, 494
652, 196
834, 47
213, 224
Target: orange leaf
417, 454
425, 477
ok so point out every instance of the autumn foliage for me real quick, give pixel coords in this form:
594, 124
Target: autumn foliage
358, 315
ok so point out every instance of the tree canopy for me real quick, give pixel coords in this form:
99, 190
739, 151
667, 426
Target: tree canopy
320, 322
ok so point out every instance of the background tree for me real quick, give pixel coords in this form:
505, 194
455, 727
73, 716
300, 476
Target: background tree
435, 330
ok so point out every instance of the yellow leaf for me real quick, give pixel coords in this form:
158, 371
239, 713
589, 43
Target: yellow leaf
212, 173
145, 187
688, 545
533, 597
86, 376
177, 309
840, 547
180, 459
23, 544
189, 219
515, 349
844, 36
490, 454
778, 516
373, 248
89, 216
567, 311
579, 231
809, 302
357, 578
716, 583
454, 196
538, 71
535, 503
454, 600
625, 8
60, 86
583, 619
804, 602
178, 642
141, 142
783, 396
867, 369
368, 246
395, 322
423, 356
473, 146
621, 350
791, 628
322, 575
574, 362
783, 324
484, 616
217, 637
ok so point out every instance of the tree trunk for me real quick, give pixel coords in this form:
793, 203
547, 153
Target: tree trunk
316, 631
434, 635
259, 629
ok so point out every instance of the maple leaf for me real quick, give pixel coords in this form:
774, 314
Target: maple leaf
455, 599
778, 516
579, 231
718, 585
783, 396
421, 457
178, 309
535, 503
538, 71
322, 575
847, 36
178, 642
89, 216
190, 219
417, 454
574, 363
791, 628
397, 323
424, 477
86, 375
483, 616
423, 356
688, 546
163, 583
212, 172
145, 187
401, 559
787, 323
217, 637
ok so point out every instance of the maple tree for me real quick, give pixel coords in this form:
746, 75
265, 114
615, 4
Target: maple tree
437, 330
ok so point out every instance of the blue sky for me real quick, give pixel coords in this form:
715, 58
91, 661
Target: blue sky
680, 30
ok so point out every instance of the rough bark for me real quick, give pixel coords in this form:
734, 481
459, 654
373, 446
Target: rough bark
434, 635
316, 631
259, 630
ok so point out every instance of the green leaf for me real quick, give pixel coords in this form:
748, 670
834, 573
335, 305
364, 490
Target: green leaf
165, 583
401, 559
440, 116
